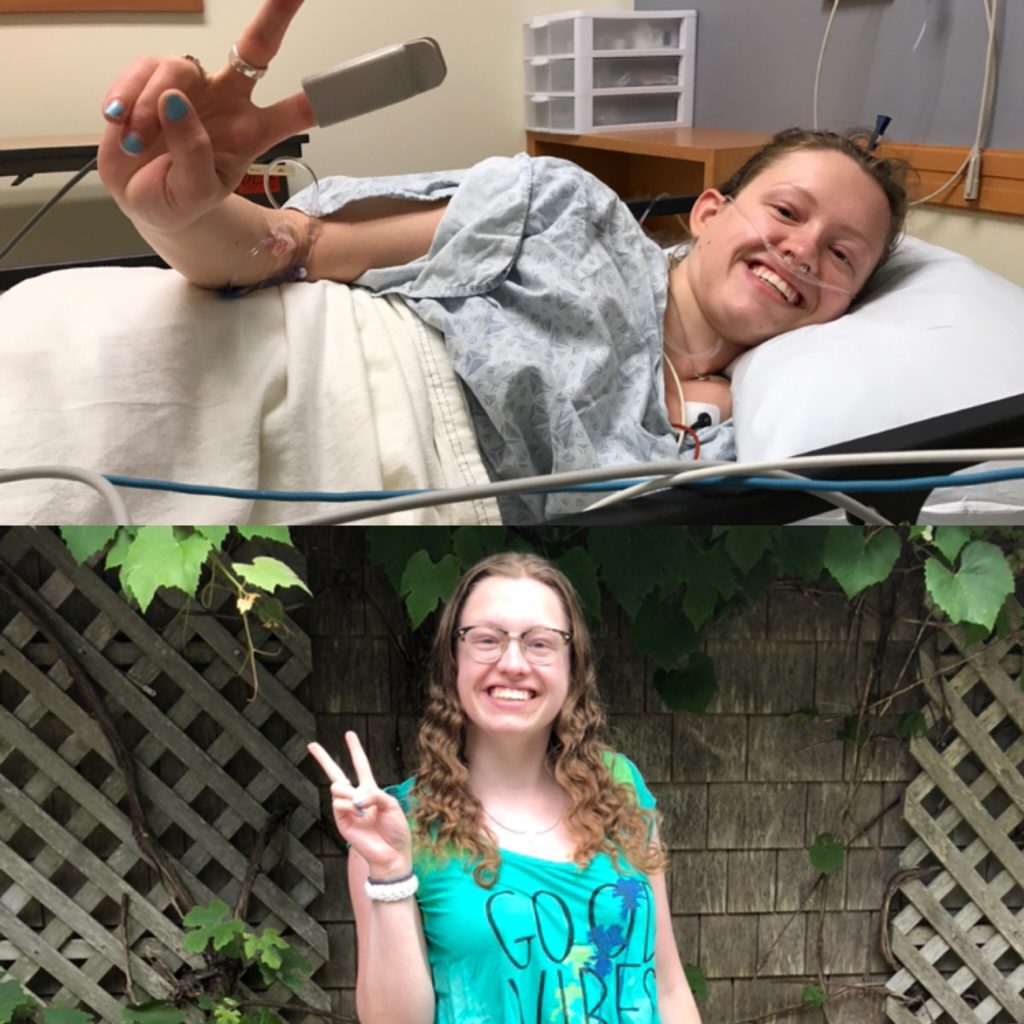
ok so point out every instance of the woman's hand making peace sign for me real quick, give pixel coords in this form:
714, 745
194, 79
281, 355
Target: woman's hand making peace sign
381, 833
178, 140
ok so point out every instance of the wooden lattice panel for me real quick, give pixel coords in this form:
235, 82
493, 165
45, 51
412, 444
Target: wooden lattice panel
79, 904
960, 936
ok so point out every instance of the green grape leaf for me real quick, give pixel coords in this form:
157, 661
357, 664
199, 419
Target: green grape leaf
265, 948
216, 535
579, 566
950, 540
425, 584
155, 1011
696, 980
268, 574
690, 689
13, 1000
157, 558
912, 724
976, 592
858, 559
709, 579
661, 630
826, 854
269, 611
747, 544
210, 924
803, 715
120, 548
801, 553
813, 996
850, 731
227, 1012
282, 534
631, 561
392, 547
66, 1015
974, 634
85, 541
293, 972
473, 543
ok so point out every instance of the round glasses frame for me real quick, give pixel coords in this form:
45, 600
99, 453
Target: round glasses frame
543, 656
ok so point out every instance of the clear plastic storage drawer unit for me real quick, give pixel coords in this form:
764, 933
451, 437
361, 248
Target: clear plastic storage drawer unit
588, 70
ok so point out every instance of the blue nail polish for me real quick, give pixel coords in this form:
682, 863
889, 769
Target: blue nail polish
175, 108
114, 109
132, 144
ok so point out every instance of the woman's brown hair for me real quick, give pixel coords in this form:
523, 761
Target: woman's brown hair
602, 815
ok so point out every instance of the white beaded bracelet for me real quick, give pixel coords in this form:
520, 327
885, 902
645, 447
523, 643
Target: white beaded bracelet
392, 890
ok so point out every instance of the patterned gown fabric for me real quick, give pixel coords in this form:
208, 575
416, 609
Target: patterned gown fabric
551, 300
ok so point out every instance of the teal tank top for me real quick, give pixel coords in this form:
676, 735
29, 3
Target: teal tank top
548, 943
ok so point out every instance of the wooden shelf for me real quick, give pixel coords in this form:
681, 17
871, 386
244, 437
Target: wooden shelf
650, 161
1001, 189
646, 162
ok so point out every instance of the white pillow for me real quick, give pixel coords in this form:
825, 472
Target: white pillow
934, 334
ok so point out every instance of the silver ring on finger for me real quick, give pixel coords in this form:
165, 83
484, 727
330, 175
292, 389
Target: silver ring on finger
243, 67
198, 66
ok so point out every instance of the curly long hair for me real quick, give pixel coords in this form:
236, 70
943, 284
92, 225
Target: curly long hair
602, 814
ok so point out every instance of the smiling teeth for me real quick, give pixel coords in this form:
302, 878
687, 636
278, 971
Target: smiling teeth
770, 277
507, 694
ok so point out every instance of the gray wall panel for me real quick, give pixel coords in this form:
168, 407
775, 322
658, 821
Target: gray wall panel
756, 61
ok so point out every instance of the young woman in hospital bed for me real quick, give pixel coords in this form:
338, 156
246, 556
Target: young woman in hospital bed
509, 320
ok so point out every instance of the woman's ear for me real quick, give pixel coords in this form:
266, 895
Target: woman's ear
709, 204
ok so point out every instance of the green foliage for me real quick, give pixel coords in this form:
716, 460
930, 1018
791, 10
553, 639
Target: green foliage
858, 559
209, 930
426, 584
151, 557
210, 925
696, 980
913, 724
268, 574
154, 1011
689, 689
813, 996
976, 591
65, 1015
827, 854
14, 1002
675, 583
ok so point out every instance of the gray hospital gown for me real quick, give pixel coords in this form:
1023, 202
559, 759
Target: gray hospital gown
551, 301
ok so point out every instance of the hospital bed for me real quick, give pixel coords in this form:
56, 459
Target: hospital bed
931, 358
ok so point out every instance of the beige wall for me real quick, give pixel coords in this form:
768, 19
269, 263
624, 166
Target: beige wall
55, 69
994, 241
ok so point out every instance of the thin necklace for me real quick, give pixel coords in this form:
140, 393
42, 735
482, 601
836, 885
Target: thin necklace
706, 353
520, 831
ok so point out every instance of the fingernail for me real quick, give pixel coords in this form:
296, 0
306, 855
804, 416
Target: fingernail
175, 108
357, 802
132, 144
360, 813
114, 109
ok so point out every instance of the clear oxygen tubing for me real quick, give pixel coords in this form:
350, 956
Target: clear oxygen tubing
787, 262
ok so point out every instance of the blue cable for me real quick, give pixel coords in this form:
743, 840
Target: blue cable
762, 482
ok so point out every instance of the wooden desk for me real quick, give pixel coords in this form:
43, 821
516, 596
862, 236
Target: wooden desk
647, 162
41, 154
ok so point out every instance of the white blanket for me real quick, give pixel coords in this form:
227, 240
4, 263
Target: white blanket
313, 387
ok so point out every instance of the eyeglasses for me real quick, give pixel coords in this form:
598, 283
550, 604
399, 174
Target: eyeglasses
540, 644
